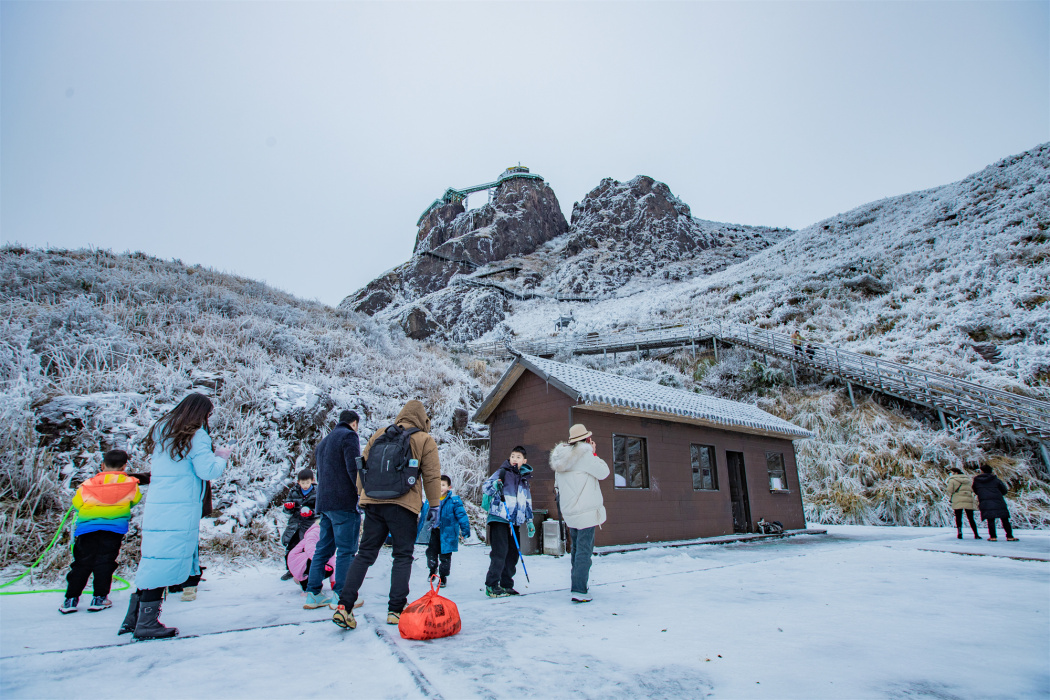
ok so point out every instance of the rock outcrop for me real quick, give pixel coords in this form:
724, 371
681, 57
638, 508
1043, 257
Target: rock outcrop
468, 266
523, 214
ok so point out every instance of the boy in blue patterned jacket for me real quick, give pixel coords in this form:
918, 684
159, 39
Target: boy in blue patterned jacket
508, 500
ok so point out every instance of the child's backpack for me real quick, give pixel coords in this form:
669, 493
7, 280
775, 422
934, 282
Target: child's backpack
430, 617
390, 471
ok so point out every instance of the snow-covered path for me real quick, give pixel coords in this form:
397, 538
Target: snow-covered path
861, 612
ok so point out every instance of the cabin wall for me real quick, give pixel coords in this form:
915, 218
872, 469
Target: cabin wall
538, 416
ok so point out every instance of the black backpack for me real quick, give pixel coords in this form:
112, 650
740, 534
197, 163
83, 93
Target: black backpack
390, 471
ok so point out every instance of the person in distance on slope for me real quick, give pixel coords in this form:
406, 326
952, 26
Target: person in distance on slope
301, 508
507, 497
443, 540
960, 493
990, 491
103, 504
181, 461
577, 471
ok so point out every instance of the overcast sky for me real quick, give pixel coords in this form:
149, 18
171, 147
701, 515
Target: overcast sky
298, 142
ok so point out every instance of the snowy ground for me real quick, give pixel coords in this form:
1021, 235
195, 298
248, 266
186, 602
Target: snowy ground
861, 612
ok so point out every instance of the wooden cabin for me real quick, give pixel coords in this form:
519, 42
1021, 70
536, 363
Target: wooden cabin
684, 465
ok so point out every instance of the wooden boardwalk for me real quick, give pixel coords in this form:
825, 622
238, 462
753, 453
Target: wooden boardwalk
1001, 410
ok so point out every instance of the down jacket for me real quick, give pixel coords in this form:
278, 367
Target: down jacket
577, 472
452, 520
960, 492
172, 517
300, 555
296, 521
510, 485
990, 491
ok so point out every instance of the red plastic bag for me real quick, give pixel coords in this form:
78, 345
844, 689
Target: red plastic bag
430, 617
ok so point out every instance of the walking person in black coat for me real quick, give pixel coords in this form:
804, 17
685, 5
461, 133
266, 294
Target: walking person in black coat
990, 491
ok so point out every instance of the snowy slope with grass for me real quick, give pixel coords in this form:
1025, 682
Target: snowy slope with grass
94, 347
860, 612
954, 279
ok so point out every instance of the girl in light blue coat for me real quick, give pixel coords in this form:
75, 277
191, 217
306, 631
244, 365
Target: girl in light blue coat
181, 461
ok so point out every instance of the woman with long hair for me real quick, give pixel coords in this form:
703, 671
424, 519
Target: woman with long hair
181, 460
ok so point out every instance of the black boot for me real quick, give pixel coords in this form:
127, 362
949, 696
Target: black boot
128, 625
959, 536
148, 626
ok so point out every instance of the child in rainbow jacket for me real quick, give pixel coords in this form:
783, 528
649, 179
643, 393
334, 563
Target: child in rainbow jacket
103, 505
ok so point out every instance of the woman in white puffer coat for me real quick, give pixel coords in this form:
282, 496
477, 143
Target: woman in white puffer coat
577, 471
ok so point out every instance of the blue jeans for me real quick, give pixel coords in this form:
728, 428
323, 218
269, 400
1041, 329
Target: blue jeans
580, 556
340, 531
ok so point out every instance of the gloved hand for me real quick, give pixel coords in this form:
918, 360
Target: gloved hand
306, 513
289, 506
328, 570
434, 517
531, 529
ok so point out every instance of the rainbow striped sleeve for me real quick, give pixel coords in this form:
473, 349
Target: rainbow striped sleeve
104, 502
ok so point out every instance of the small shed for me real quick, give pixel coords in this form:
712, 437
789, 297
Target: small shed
684, 465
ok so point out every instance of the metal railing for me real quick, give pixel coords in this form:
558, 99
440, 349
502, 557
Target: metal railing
958, 397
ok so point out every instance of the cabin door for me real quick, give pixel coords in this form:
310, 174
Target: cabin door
738, 492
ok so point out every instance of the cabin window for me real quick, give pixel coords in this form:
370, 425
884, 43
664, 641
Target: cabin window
630, 466
777, 475
705, 477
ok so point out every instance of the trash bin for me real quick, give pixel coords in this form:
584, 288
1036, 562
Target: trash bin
552, 543
532, 545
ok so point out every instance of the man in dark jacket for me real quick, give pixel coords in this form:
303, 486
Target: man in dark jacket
340, 524
396, 517
990, 491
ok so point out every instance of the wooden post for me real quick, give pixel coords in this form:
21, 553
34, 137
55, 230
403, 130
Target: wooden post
944, 423
1046, 456
794, 379
715, 341
849, 386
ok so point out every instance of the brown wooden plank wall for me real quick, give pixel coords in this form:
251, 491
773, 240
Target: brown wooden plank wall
537, 416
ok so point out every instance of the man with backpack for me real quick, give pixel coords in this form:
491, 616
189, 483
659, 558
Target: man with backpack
340, 524
400, 465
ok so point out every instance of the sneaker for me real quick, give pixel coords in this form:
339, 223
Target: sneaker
510, 591
993, 539
69, 605
977, 537
392, 618
495, 592
444, 582
319, 600
1011, 539
344, 618
99, 602
286, 576
582, 597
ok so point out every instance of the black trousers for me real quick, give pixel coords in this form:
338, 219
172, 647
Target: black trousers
969, 516
991, 527
382, 519
437, 562
503, 557
94, 553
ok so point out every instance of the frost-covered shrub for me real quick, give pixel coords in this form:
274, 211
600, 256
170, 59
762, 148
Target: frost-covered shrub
95, 347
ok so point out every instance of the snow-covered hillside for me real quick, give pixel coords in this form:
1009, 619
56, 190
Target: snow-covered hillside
94, 347
954, 279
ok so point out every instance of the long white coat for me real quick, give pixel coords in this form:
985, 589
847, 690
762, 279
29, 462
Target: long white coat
576, 475
172, 518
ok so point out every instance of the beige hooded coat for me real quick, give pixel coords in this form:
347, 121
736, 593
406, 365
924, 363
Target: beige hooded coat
413, 415
576, 475
960, 490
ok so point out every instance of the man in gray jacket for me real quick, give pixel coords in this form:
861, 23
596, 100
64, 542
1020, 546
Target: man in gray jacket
577, 471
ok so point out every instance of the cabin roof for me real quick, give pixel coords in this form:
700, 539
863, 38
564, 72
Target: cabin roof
612, 393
